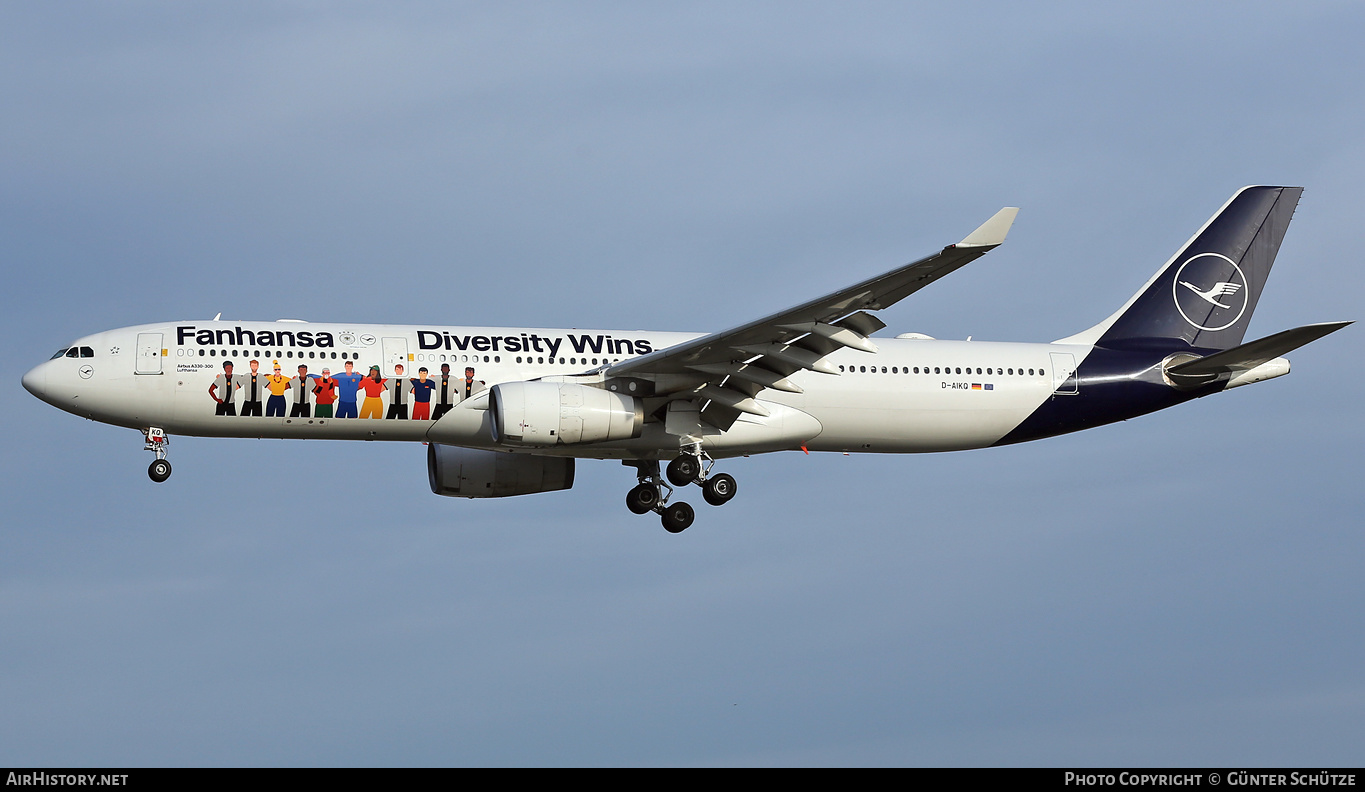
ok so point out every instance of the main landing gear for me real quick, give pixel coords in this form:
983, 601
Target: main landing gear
160, 470
692, 466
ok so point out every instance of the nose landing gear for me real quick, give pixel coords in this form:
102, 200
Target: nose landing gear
159, 470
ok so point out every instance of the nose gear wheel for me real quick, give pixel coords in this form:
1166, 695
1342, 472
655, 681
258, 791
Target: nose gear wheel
159, 470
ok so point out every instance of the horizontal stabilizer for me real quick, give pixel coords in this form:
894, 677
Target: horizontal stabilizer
1253, 354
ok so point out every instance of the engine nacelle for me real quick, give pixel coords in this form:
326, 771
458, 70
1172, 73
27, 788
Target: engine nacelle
540, 414
472, 473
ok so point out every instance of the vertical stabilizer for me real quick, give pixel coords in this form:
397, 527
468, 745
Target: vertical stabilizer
1204, 296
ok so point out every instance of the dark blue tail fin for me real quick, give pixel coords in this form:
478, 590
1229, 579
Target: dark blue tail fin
1205, 294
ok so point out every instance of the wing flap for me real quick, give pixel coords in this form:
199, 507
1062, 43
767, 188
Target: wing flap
751, 373
841, 336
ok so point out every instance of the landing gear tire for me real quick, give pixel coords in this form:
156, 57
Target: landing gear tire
677, 516
684, 470
719, 489
643, 498
159, 471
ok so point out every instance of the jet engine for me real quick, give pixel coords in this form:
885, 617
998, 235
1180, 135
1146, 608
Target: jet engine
473, 473
541, 414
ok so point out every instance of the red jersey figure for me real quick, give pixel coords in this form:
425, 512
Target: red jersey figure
373, 386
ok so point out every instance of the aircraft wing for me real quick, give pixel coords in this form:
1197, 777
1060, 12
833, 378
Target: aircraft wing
723, 372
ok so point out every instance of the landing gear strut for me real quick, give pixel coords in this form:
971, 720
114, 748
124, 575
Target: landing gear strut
159, 470
692, 466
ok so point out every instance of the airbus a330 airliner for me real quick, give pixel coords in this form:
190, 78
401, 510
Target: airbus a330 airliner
506, 411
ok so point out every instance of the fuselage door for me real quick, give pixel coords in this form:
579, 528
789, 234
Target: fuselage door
395, 352
148, 353
1064, 380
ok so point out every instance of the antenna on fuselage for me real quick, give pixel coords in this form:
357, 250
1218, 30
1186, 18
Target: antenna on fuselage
218, 316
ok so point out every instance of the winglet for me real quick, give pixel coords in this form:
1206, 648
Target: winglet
993, 231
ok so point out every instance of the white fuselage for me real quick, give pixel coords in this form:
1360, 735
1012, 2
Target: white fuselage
912, 395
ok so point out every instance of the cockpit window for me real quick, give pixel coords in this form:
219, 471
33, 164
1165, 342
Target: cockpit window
87, 352
73, 352
60, 352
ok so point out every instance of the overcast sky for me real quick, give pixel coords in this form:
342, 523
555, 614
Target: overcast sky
1181, 589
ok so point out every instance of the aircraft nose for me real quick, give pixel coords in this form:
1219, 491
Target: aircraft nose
35, 381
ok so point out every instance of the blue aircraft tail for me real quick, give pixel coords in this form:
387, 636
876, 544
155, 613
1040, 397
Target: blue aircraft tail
1204, 296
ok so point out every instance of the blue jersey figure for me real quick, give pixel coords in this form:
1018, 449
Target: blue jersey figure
421, 395
348, 383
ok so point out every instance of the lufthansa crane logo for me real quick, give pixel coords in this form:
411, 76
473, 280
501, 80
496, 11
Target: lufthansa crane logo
1210, 291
